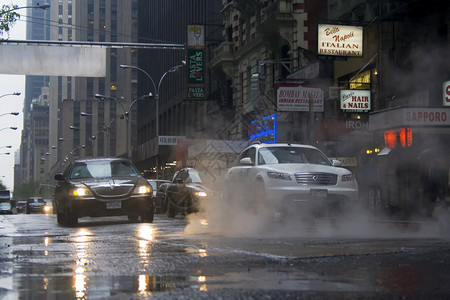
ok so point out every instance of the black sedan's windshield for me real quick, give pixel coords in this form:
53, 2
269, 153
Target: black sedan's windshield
291, 155
101, 169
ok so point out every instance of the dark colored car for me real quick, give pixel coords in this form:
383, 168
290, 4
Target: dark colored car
5, 208
183, 194
156, 185
161, 198
102, 187
35, 205
21, 206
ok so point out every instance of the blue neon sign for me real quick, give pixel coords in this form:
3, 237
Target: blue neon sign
264, 130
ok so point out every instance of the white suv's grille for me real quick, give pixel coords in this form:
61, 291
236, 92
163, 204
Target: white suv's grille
316, 178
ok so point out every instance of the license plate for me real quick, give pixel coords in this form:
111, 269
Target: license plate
319, 193
113, 204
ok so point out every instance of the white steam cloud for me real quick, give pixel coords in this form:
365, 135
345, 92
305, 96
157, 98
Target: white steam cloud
233, 218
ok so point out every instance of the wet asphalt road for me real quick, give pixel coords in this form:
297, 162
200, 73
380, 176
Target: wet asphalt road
110, 258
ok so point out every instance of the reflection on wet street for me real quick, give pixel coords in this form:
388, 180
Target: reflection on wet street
106, 258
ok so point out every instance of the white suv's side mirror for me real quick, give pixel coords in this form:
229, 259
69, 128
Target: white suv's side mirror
246, 161
336, 163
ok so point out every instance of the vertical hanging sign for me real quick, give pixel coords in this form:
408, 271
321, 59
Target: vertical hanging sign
196, 61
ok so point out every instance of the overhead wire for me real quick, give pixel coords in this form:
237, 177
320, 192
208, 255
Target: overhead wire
65, 25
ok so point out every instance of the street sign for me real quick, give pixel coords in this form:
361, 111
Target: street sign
169, 140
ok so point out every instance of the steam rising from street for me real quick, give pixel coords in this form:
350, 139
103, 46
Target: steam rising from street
233, 218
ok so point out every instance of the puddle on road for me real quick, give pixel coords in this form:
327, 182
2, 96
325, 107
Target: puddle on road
53, 281
81, 286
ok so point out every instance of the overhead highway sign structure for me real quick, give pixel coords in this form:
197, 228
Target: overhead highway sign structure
63, 58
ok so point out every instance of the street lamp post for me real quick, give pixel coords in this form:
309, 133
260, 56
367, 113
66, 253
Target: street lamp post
43, 6
11, 94
9, 16
10, 113
105, 128
104, 97
125, 115
156, 90
91, 138
12, 128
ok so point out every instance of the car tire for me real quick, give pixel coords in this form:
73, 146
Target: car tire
133, 217
71, 219
147, 217
258, 198
164, 202
60, 218
171, 210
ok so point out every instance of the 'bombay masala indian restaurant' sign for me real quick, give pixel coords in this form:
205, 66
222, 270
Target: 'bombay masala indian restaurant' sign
340, 40
299, 98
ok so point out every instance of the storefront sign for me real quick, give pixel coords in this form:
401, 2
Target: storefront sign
196, 92
168, 140
409, 117
196, 36
355, 100
196, 66
356, 125
196, 61
446, 93
299, 98
340, 40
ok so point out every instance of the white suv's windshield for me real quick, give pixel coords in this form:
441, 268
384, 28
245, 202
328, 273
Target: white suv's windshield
291, 155
101, 169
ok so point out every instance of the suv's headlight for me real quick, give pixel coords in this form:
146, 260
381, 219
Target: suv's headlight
81, 192
279, 175
200, 194
347, 177
142, 190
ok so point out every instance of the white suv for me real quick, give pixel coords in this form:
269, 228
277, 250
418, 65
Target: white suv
289, 178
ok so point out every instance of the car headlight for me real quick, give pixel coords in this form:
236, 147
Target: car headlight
279, 175
142, 190
81, 192
347, 177
200, 194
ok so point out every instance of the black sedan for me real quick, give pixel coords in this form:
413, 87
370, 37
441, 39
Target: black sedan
159, 188
184, 193
35, 205
102, 187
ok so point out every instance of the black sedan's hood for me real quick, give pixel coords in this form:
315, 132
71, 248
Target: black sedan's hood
112, 187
